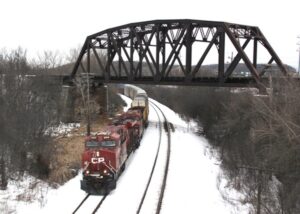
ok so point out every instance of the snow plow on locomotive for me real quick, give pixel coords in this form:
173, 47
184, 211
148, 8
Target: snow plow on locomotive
106, 152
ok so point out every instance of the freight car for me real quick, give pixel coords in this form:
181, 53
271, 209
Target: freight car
106, 152
139, 100
131, 116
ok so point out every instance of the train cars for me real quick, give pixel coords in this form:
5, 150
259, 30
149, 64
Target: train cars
139, 100
106, 152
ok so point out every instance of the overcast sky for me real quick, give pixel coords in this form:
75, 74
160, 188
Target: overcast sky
39, 25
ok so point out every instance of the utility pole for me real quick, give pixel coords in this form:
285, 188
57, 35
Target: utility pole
88, 128
84, 84
107, 100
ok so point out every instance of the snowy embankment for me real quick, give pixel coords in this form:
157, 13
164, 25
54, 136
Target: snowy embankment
192, 185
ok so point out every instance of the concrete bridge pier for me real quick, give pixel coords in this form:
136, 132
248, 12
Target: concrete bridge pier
68, 97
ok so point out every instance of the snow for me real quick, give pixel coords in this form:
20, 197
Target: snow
192, 185
127, 101
62, 129
28, 190
192, 180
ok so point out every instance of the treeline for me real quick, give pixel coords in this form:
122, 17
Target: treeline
31, 102
28, 106
258, 137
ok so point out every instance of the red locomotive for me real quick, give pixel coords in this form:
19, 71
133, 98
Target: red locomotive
106, 152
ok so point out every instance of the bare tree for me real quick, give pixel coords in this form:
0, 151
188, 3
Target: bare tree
28, 106
258, 137
73, 54
49, 60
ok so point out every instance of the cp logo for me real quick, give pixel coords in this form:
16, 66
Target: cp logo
97, 160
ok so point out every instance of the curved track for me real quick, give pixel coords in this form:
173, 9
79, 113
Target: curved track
162, 124
163, 185
154, 163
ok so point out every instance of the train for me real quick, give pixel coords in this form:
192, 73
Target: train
139, 100
105, 153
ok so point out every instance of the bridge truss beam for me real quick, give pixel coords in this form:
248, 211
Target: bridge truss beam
164, 51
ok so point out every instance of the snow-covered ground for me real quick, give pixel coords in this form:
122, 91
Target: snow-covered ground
62, 129
192, 185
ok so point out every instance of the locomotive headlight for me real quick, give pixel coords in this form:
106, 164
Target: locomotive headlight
87, 172
105, 171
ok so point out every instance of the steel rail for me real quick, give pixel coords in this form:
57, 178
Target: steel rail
81, 203
154, 163
163, 186
99, 204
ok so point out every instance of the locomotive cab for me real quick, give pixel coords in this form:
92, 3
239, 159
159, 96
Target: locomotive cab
104, 156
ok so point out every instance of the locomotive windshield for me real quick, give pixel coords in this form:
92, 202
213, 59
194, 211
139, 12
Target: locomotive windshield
92, 144
108, 143
97, 144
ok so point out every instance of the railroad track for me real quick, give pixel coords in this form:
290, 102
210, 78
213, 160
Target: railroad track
99, 204
167, 127
163, 125
84, 201
81, 203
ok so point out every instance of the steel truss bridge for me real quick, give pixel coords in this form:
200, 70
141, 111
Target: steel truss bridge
173, 52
